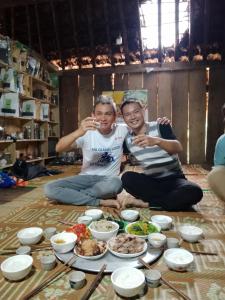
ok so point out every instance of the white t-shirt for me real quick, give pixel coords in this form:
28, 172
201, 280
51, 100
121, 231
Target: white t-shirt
102, 153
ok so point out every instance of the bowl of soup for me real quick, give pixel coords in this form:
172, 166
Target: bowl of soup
103, 230
63, 242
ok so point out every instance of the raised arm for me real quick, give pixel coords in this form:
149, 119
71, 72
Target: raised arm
66, 142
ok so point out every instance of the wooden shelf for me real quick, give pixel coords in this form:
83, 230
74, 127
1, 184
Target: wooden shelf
30, 140
52, 122
6, 90
49, 86
6, 141
34, 160
18, 124
15, 118
50, 157
7, 166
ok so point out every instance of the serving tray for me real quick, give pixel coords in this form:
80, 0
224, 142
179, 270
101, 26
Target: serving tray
113, 262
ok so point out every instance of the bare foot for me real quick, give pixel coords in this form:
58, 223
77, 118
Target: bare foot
110, 203
129, 202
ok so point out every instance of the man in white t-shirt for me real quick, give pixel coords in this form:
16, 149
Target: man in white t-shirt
101, 141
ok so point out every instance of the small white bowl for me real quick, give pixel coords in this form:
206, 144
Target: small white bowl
17, 267
94, 213
49, 232
48, 262
84, 220
191, 233
30, 235
129, 215
178, 259
157, 240
104, 235
128, 281
163, 221
77, 279
63, 242
22, 250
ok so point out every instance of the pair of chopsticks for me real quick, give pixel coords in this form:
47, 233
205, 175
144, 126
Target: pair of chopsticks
33, 248
61, 271
94, 284
166, 282
203, 252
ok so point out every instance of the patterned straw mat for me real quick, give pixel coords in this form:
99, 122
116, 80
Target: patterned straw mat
204, 280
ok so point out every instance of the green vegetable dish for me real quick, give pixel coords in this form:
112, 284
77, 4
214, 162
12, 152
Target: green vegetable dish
142, 228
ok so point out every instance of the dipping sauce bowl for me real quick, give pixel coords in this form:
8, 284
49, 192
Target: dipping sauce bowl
153, 278
173, 243
23, 250
77, 280
48, 262
49, 232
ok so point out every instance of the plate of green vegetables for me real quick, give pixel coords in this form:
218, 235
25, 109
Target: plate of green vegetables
142, 228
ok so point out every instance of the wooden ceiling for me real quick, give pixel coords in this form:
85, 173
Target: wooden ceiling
84, 32
65, 28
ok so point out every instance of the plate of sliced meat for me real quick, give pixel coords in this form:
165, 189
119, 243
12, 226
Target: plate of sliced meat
127, 245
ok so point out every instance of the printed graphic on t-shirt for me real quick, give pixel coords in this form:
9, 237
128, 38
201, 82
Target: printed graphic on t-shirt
103, 159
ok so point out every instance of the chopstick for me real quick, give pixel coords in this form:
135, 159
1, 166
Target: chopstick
33, 247
203, 252
94, 284
66, 223
165, 281
61, 271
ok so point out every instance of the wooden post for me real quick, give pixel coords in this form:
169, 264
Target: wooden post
28, 26
106, 17
191, 31
91, 35
38, 28
12, 23
56, 33
124, 30
74, 30
160, 30
206, 26
177, 22
139, 31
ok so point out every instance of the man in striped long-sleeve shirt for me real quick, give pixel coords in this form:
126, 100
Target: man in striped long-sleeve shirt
162, 184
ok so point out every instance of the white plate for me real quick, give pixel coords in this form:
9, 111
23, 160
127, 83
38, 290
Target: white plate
128, 255
91, 257
142, 236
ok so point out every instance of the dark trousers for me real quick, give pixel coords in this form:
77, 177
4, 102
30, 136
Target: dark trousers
171, 193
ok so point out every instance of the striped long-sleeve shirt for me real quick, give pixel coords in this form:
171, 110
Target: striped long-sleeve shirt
155, 161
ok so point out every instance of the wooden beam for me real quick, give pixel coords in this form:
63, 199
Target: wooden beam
160, 29
206, 22
12, 23
191, 31
38, 28
124, 30
141, 68
106, 17
90, 31
177, 22
56, 33
75, 39
139, 30
15, 3
28, 26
